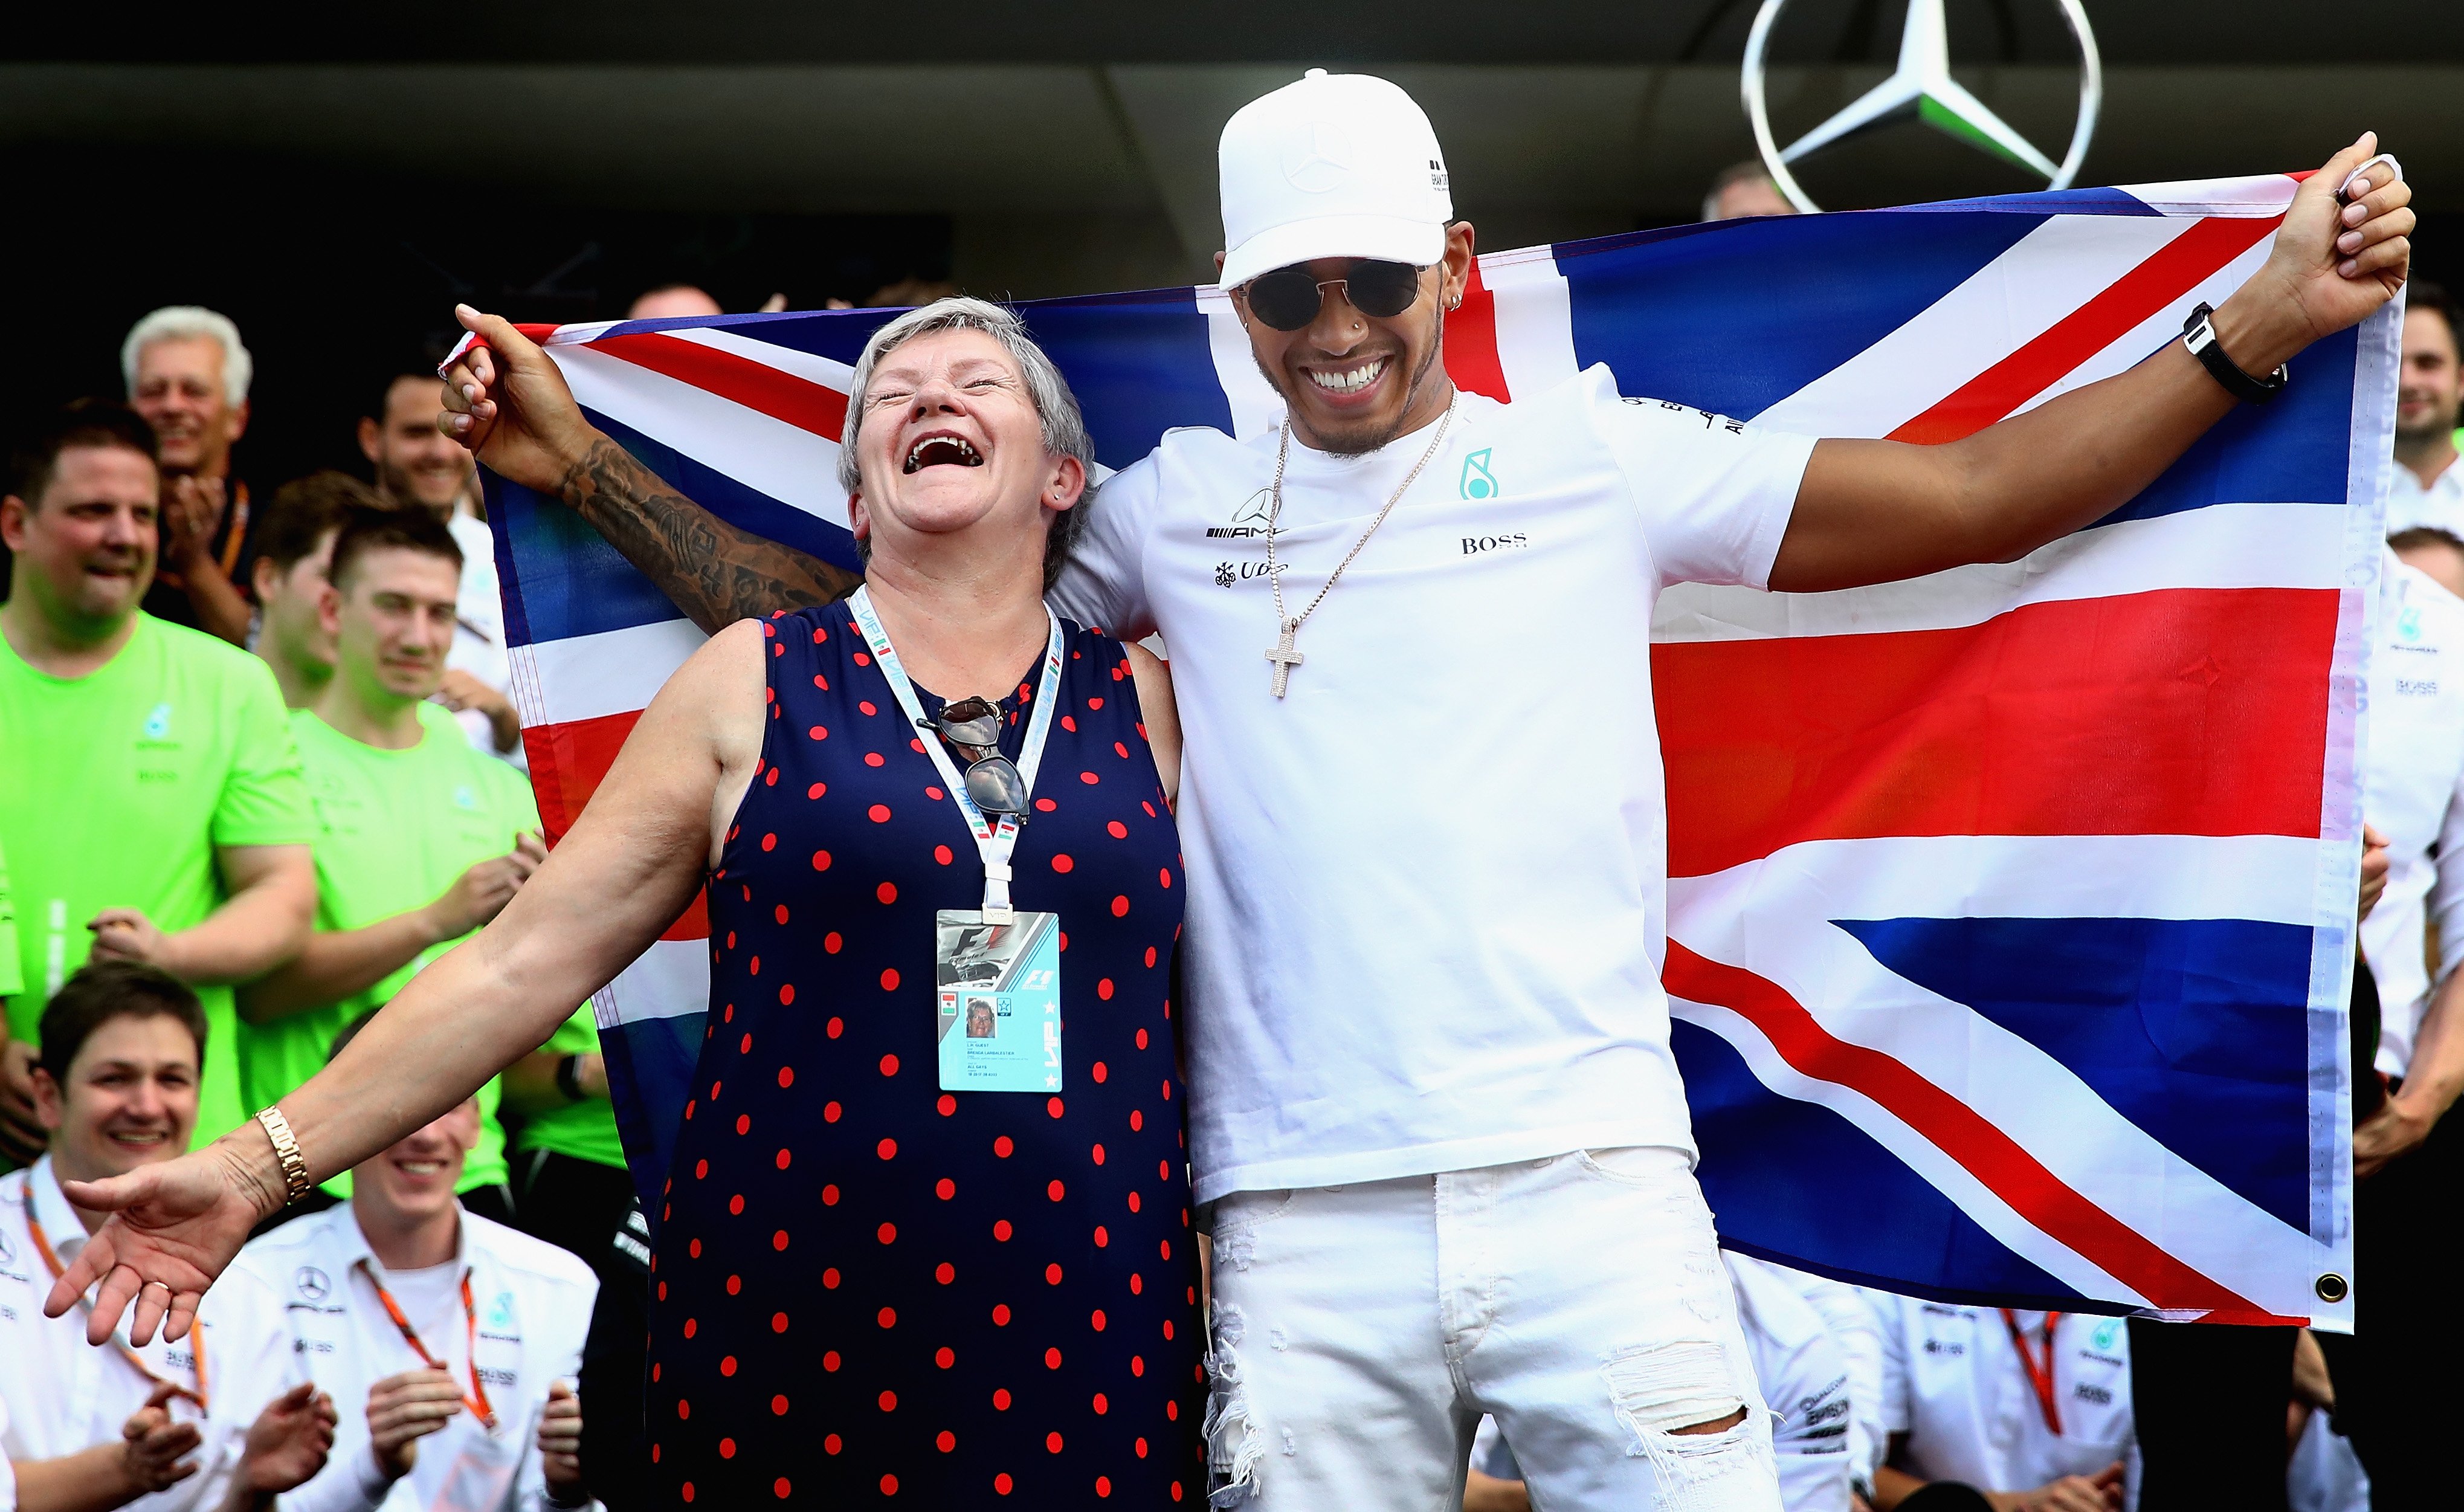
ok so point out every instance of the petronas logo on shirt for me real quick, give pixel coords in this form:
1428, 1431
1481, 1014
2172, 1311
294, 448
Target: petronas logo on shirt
1478, 483
158, 724
465, 798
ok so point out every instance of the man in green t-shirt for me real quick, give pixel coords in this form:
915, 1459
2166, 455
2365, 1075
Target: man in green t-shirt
20, 1144
421, 840
294, 544
150, 798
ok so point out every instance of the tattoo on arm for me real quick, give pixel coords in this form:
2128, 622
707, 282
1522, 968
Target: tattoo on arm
716, 573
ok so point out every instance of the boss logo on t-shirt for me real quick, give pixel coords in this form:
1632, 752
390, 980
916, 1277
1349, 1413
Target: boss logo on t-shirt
1474, 545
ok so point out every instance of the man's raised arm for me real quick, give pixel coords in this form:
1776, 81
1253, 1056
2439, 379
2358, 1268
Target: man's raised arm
507, 402
1877, 511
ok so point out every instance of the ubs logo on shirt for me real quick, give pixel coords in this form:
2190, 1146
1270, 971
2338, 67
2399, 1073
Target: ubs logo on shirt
1248, 522
1228, 573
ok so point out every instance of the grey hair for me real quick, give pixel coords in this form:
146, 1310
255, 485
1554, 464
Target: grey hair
1065, 428
185, 322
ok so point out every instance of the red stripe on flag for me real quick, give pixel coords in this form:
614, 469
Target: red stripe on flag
2186, 711
2175, 269
781, 395
1471, 342
569, 762
1959, 1131
694, 924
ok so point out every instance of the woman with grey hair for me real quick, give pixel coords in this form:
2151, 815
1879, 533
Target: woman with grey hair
897, 1255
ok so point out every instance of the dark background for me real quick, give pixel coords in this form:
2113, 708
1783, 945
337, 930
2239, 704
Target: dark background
335, 181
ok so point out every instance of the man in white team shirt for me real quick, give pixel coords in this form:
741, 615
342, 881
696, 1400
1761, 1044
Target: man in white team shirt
2408, 1146
2426, 487
1424, 816
166, 1427
2031, 1409
450, 1341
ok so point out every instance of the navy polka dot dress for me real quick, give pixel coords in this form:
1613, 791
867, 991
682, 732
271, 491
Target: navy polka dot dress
865, 1288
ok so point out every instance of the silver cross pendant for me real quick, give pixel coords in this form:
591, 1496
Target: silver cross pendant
1285, 657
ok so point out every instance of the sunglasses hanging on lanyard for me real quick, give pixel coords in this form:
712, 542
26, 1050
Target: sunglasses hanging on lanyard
995, 970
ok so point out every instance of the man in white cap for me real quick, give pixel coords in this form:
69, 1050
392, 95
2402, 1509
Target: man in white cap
1434, 1108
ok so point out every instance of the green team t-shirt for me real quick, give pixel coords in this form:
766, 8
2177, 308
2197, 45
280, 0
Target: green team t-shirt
12, 979
583, 1131
394, 830
117, 787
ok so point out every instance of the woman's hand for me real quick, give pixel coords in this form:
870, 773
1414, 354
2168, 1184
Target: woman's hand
173, 1227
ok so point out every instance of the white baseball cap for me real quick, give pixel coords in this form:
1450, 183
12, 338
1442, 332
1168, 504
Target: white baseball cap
1335, 166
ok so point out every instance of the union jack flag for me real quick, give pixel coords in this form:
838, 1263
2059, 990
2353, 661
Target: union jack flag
2011, 913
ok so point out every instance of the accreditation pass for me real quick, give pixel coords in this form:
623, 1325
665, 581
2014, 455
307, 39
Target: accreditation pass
998, 995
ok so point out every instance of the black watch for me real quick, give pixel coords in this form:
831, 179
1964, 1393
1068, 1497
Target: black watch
2199, 335
568, 1080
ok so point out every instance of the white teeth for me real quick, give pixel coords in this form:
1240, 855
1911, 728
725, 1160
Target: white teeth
966, 452
1351, 380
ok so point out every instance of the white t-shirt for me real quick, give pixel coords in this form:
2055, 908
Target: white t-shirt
2413, 791
531, 1312
1953, 1382
1850, 1317
1802, 1374
1427, 890
480, 631
2440, 503
63, 1396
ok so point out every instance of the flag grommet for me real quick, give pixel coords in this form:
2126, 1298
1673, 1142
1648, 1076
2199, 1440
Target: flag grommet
2332, 1287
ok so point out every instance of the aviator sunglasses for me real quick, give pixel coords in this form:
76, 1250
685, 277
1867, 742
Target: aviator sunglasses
1287, 299
993, 780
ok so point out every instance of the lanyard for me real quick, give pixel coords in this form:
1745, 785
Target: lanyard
135, 1361
994, 842
2039, 1376
477, 1399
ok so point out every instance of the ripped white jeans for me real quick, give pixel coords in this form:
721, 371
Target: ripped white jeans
1360, 1332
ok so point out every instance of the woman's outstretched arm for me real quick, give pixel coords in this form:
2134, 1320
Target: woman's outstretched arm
621, 874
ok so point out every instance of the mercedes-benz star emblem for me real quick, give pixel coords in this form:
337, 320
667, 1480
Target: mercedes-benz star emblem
1920, 87
1320, 162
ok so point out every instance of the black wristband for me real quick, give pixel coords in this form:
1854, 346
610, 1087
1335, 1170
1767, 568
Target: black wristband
568, 1080
2199, 335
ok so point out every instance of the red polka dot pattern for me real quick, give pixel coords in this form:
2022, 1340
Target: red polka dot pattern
871, 1240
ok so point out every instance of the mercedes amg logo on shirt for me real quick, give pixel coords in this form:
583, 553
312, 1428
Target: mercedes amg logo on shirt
312, 1283
1248, 522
